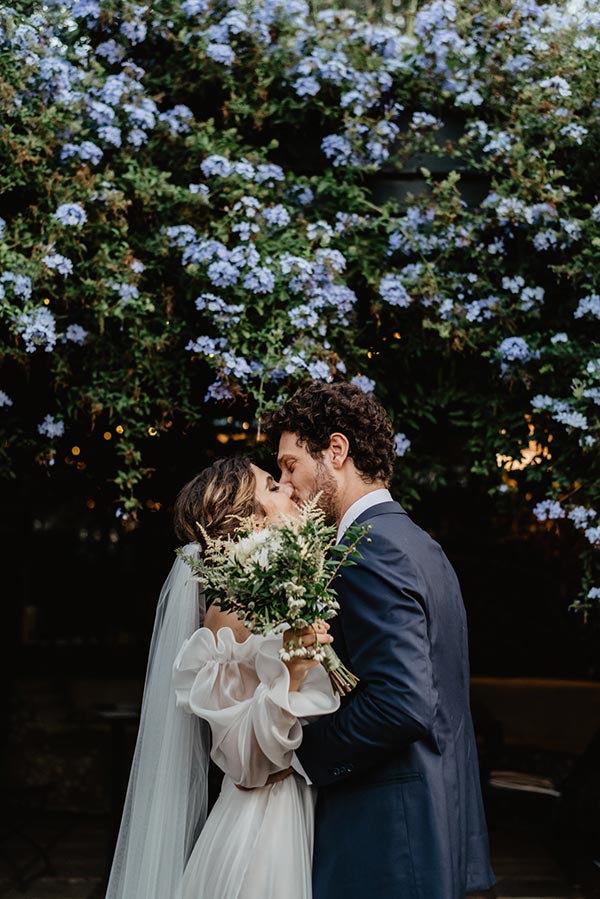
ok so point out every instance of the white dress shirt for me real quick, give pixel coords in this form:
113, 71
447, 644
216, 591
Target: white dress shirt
374, 498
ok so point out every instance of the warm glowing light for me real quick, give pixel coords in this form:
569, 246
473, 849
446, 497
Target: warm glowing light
107, 435
75, 450
369, 355
46, 301
245, 425
119, 429
223, 438
152, 432
168, 424
81, 466
532, 454
397, 335
91, 504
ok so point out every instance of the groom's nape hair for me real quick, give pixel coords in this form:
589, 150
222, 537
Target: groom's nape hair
317, 411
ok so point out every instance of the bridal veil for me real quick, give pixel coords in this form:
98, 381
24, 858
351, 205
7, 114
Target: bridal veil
166, 802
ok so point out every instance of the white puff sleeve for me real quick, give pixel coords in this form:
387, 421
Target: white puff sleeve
242, 690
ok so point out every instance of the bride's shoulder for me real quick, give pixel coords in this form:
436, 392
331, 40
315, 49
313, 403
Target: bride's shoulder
216, 621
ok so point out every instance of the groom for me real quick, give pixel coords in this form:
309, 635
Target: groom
399, 809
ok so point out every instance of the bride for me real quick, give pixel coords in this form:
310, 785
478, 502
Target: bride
214, 690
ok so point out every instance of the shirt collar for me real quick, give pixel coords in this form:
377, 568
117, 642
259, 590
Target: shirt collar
374, 498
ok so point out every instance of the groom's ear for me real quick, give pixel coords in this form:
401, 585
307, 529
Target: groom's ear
338, 449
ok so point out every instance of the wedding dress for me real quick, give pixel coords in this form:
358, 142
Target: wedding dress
256, 842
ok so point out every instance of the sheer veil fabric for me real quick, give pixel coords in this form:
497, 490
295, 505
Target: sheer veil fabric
166, 802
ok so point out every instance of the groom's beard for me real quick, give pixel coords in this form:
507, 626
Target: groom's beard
325, 484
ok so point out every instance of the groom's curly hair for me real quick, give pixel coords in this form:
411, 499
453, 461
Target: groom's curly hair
317, 411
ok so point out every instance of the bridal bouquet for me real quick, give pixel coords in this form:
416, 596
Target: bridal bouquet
281, 574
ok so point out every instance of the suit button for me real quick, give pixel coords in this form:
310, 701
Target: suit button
335, 771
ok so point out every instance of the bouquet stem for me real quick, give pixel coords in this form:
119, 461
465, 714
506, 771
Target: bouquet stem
342, 679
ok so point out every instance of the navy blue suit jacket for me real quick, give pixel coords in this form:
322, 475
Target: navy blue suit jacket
399, 809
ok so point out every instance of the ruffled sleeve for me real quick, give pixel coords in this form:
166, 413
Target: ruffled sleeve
242, 690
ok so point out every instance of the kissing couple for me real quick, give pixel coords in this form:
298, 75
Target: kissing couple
374, 794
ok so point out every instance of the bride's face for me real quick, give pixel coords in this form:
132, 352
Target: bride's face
274, 498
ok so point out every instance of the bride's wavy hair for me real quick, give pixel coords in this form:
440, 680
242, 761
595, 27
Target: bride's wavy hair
216, 498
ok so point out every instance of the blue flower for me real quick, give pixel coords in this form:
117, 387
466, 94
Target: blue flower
110, 50
268, 172
86, 151
222, 274
58, 263
548, 509
221, 53
71, 214
401, 444
135, 31
276, 216
393, 291
137, 137
545, 240
218, 391
575, 132
305, 196
307, 86
110, 134
581, 516
21, 284
194, 7
571, 418
177, 119
425, 120
367, 385
51, 428
260, 280
38, 329
337, 148
215, 165
593, 535
514, 349
76, 334
469, 97
319, 371
207, 346
126, 291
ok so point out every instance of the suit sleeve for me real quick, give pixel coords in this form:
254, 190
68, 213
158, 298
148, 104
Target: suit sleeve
384, 627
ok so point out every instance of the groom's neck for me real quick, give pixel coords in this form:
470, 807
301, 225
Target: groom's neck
355, 491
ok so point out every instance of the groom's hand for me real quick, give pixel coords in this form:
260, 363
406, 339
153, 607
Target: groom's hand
271, 779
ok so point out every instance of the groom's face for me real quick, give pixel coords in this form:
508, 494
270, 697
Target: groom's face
307, 475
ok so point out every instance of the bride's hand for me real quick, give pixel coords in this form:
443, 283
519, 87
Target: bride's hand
297, 665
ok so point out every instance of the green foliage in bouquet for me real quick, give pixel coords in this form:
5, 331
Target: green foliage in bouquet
278, 575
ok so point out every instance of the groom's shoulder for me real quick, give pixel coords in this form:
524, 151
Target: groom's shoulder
382, 514
392, 522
